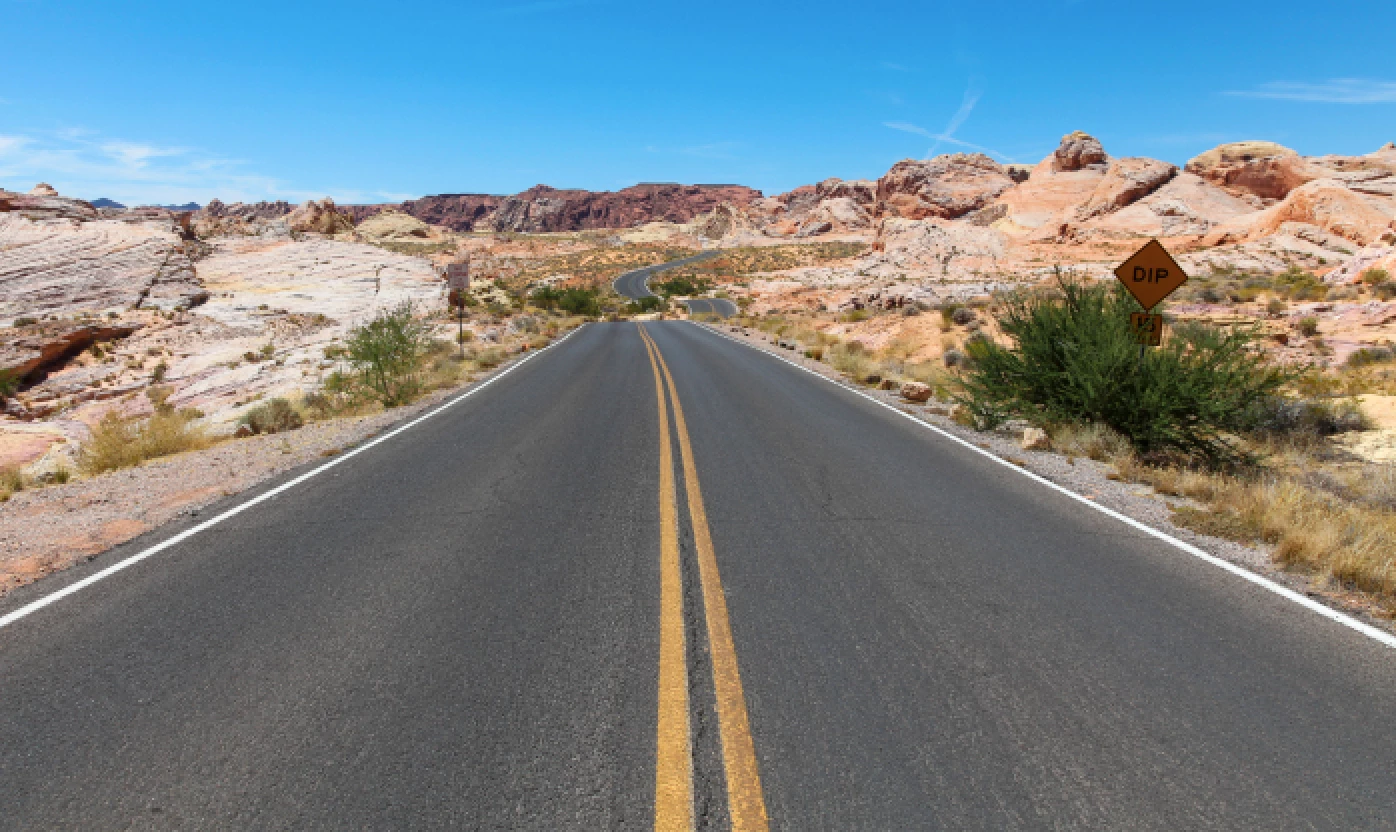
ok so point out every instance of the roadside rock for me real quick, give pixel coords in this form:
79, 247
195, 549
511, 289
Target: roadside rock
945, 187
915, 391
1035, 439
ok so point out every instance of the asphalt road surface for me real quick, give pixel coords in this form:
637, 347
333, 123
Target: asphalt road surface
654, 579
635, 285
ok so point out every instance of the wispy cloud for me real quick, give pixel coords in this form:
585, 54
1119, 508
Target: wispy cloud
1335, 91
892, 66
82, 163
947, 135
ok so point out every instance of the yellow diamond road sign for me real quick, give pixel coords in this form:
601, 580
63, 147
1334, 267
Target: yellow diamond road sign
1151, 274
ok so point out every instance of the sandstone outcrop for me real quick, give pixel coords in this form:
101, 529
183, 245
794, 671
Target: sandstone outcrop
43, 189
1126, 181
723, 221
319, 217
393, 226
1186, 205
861, 191
1324, 204
945, 187
44, 203
1078, 151
97, 267
1263, 169
458, 212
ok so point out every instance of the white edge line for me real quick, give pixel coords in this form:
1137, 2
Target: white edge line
1283, 591
77, 586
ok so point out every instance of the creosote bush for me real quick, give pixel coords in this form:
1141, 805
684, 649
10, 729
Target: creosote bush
121, 442
386, 355
1074, 358
274, 416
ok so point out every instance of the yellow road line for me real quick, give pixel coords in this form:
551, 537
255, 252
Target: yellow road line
673, 776
746, 804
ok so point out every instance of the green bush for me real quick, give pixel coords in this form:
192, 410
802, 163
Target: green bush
1308, 327
579, 302
386, 354
274, 416
9, 384
1074, 358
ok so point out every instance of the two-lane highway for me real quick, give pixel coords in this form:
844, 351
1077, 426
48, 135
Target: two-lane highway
653, 578
635, 285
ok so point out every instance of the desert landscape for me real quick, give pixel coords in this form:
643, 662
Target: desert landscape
120, 314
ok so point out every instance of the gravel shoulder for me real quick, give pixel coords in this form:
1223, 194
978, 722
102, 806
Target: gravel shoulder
1091, 480
49, 529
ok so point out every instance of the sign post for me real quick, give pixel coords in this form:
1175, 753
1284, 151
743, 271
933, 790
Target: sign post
1150, 275
458, 281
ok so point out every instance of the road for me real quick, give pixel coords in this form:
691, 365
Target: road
655, 579
635, 284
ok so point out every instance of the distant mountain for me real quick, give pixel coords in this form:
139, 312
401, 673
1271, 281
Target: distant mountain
188, 206
106, 203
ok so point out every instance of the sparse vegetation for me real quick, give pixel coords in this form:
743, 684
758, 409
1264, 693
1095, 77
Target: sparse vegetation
121, 442
1073, 358
386, 355
273, 416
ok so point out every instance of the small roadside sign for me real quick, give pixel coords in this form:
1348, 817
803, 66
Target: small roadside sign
1148, 329
458, 275
1151, 274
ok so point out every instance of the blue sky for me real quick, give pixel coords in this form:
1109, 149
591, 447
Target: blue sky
368, 102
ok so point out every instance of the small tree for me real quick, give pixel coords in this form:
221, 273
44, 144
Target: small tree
1074, 358
386, 354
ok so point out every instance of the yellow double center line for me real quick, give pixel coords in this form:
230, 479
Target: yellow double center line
673, 804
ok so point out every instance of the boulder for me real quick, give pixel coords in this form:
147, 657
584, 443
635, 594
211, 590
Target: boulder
945, 187
841, 213
915, 391
1126, 181
1079, 151
1035, 439
319, 217
723, 221
1262, 169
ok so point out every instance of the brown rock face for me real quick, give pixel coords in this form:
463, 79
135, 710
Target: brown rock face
1126, 182
321, 217
946, 187
44, 348
458, 212
46, 206
860, 191
1263, 169
1077, 151
542, 208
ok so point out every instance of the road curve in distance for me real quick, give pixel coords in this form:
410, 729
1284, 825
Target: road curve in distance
634, 284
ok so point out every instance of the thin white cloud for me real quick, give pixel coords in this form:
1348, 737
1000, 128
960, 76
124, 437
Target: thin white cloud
1335, 91
947, 136
82, 163
892, 66
941, 137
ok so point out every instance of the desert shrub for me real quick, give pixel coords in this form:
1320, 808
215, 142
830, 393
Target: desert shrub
1275, 306
386, 354
1279, 416
9, 384
546, 297
953, 358
962, 316
580, 302
682, 285
25, 321
1074, 359
11, 481
274, 416
1367, 356
649, 303
1299, 284
851, 358
119, 442
1308, 327
1375, 277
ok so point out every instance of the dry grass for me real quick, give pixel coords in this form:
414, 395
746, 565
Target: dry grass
119, 442
11, 481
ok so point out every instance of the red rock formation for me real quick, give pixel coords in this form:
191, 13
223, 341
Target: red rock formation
1263, 169
946, 187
